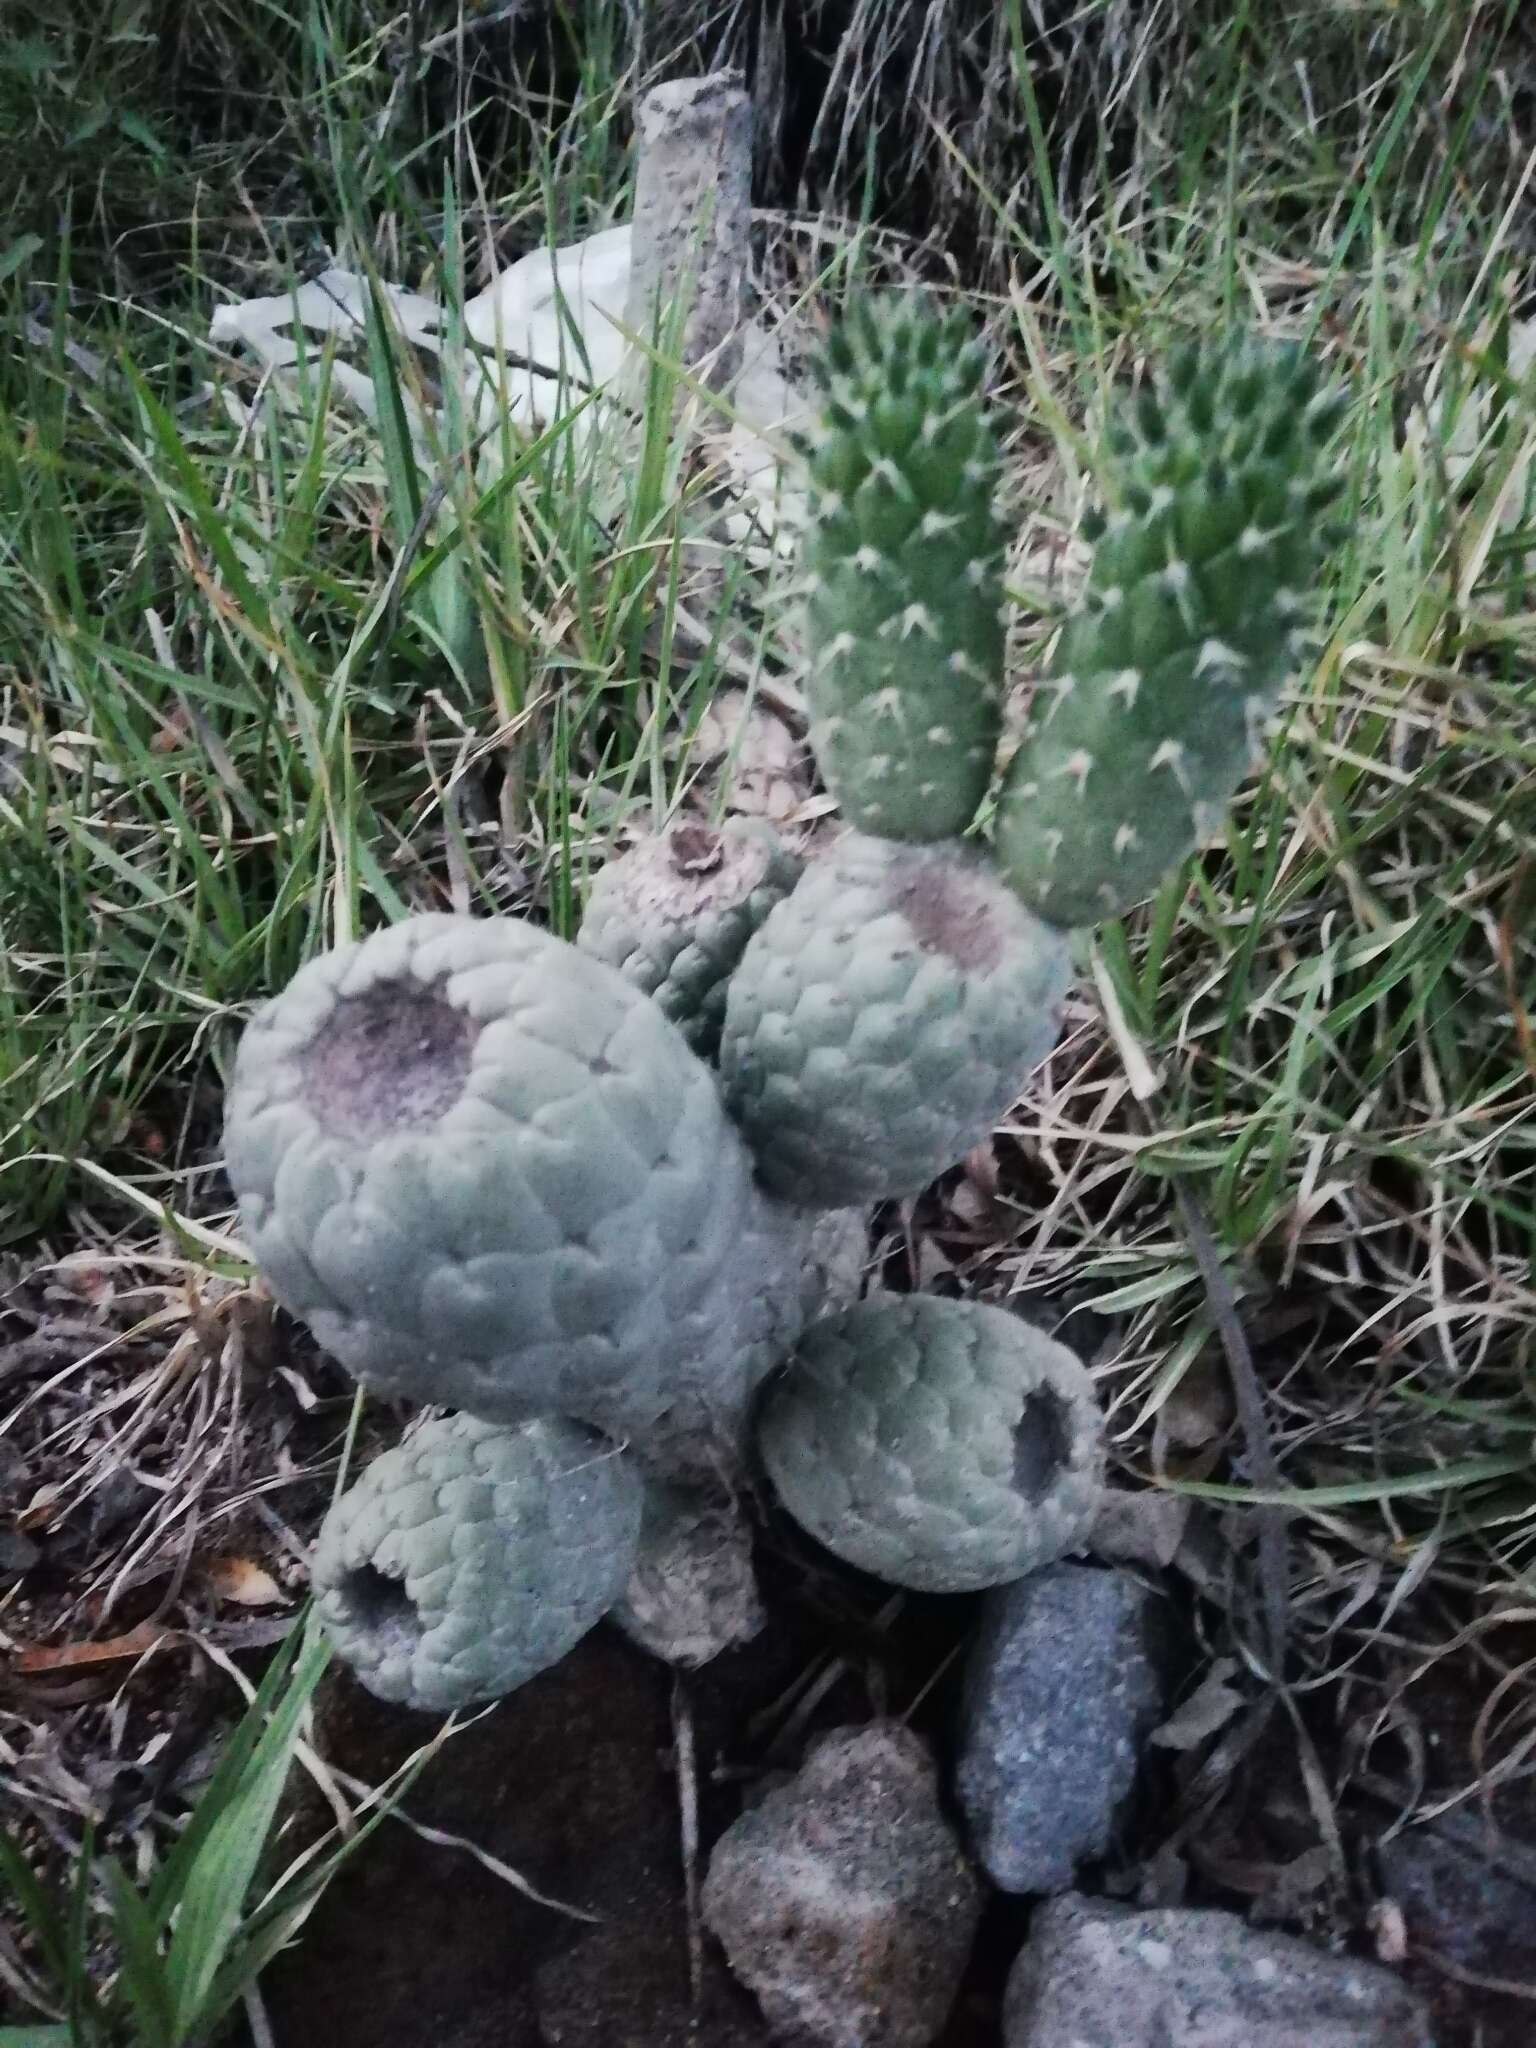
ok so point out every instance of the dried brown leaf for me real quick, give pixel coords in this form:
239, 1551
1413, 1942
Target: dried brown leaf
41, 1657
244, 1582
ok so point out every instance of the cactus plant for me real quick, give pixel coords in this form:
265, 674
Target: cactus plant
489, 1173
942, 1445
883, 1018
1193, 618
470, 1557
903, 574
674, 915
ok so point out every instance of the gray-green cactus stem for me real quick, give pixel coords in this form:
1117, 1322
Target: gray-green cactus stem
884, 1018
675, 912
490, 1174
942, 1445
470, 1557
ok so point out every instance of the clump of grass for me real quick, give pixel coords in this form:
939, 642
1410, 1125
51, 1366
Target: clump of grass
276, 677
190, 1942
165, 1953
944, 123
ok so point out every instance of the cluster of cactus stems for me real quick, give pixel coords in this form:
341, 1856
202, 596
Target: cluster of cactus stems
581, 1193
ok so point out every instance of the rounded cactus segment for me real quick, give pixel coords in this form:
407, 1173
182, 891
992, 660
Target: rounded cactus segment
471, 1557
490, 1174
1192, 620
883, 1019
674, 915
941, 1445
903, 557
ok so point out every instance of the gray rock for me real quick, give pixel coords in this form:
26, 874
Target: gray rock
1102, 1976
692, 1593
844, 1901
1459, 1898
1062, 1686
1144, 1527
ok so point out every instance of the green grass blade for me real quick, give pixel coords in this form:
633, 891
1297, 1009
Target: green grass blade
401, 469
43, 1915
143, 1978
209, 522
1351, 1492
219, 1880
174, 1877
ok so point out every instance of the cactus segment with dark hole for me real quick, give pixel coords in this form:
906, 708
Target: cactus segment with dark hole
490, 1174
883, 1018
941, 1445
675, 912
470, 1557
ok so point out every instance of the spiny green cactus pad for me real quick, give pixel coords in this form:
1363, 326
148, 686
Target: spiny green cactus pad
942, 1445
470, 1557
490, 1174
674, 915
883, 1019
1191, 623
903, 567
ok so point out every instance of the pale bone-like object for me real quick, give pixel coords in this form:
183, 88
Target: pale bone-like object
553, 325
